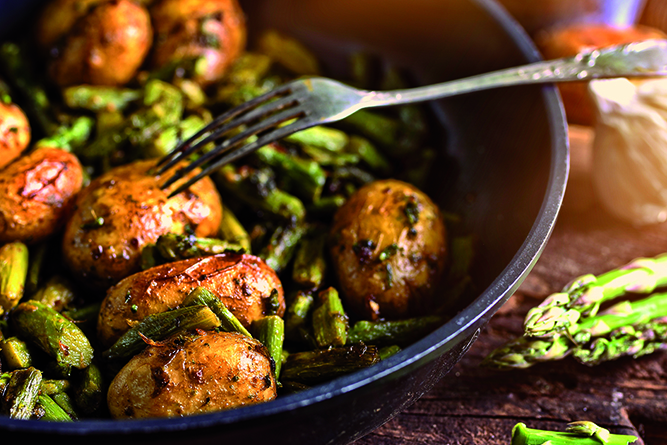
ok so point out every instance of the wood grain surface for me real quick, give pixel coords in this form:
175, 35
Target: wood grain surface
475, 405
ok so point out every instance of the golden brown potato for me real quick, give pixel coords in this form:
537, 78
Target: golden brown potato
193, 375
105, 46
14, 133
565, 41
57, 18
243, 283
36, 194
122, 211
388, 249
212, 30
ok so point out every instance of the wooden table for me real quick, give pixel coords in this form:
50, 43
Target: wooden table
474, 405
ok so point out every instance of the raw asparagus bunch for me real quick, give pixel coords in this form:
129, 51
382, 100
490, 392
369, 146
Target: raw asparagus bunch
626, 329
584, 295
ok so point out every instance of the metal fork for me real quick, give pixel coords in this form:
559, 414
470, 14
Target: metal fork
308, 102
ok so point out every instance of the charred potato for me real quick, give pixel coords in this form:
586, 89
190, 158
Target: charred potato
388, 248
122, 211
243, 283
14, 132
210, 32
194, 375
37, 192
105, 46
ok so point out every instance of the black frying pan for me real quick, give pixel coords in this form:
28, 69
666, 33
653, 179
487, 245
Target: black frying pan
504, 170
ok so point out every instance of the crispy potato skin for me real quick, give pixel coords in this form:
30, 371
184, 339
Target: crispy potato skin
37, 192
242, 282
14, 133
136, 212
213, 372
178, 35
105, 46
373, 219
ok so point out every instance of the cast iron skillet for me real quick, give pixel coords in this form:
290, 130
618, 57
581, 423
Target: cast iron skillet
504, 171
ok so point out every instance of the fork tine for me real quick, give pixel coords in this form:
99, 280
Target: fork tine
228, 144
187, 147
263, 140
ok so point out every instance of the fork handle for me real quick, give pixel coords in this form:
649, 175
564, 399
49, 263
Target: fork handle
638, 59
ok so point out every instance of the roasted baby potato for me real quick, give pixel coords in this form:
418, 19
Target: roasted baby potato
14, 132
209, 33
57, 18
122, 211
193, 375
105, 46
37, 192
244, 283
388, 248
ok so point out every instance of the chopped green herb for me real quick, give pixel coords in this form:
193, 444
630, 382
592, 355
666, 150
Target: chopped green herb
388, 252
93, 224
411, 211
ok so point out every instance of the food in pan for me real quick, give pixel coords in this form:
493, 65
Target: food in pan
315, 256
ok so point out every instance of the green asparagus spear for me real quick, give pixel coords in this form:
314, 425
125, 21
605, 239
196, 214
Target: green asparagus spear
54, 386
89, 389
324, 364
173, 247
310, 262
228, 322
302, 177
36, 103
57, 293
52, 411
257, 189
576, 435
326, 206
329, 159
70, 137
270, 330
330, 323
20, 394
626, 341
297, 314
387, 351
389, 332
53, 333
326, 138
526, 351
158, 327
288, 52
65, 402
99, 98
249, 68
282, 246
371, 156
377, 127
584, 295
232, 230
13, 273
16, 353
